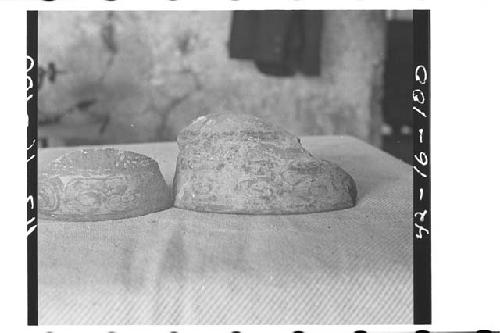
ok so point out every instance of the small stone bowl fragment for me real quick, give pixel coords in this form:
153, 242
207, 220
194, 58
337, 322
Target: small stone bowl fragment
101, 184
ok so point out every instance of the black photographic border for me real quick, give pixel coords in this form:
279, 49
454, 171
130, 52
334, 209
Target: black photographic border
32, 166
421, 169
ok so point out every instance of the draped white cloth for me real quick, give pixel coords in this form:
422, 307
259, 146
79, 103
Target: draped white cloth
351, 266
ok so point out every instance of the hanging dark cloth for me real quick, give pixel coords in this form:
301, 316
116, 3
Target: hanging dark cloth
280, 42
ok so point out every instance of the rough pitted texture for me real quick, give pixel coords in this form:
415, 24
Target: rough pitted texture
101, 184
235, 163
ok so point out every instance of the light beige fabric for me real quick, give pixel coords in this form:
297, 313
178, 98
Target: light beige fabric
351, 266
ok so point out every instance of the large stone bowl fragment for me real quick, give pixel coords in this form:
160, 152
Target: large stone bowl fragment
236, 163
101, 184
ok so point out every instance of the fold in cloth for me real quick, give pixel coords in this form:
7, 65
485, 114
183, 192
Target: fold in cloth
350, 266
281, 42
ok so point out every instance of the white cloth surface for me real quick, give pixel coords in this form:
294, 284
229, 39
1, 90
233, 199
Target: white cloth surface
351, 266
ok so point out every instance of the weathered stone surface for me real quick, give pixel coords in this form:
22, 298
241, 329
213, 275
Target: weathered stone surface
101, 184
235, 163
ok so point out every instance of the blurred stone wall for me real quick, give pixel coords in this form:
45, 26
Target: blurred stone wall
125, 77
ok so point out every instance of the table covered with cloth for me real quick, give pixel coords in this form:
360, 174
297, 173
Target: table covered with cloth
351, 266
